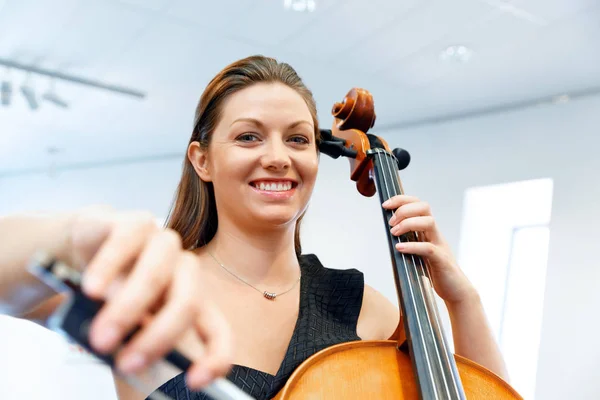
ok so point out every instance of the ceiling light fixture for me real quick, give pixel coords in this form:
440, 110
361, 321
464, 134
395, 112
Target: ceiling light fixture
458, 53
52, 97
300, 5
6, 93
29, 95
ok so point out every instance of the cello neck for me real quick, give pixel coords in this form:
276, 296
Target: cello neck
433, 362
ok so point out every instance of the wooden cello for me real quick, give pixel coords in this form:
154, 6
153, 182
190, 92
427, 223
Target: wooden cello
419, 364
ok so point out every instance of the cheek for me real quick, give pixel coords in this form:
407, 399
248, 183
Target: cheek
309, 169
231, 163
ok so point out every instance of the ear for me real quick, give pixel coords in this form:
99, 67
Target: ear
199, 160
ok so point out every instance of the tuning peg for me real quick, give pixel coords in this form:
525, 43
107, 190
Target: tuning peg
402, 157
336, 149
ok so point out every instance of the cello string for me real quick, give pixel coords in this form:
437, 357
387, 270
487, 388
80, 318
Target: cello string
391, 172
388, 194
441, 344
442, 354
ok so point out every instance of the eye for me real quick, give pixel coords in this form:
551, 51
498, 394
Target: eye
247, 137
300, 139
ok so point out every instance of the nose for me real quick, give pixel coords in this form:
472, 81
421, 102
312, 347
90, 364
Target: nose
276, 156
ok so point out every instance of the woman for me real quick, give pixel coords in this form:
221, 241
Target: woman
250, 170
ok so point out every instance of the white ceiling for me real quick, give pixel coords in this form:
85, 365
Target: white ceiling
523, 49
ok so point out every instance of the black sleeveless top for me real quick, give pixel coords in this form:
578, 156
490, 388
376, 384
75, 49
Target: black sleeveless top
330, 302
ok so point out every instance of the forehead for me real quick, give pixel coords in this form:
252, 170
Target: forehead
266, 101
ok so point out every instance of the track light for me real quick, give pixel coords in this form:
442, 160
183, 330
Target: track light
29, 95
6, 93
52, 97
71, 78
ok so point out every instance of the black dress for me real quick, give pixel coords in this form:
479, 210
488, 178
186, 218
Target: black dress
330, 302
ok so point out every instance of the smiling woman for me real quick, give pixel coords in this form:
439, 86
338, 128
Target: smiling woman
251, 167
250, 170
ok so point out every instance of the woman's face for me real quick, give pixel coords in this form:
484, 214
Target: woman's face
262, 158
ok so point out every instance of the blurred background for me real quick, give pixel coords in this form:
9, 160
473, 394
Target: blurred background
496, 101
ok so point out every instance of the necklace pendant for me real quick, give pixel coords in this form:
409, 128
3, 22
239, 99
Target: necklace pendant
269, 295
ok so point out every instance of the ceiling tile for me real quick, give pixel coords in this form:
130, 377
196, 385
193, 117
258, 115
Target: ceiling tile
30, 28
259, 22
547, 10
172, 54
209, 11
154, 5
216, 17
336, 35
417, 29
538, 68
99, 32
496, 34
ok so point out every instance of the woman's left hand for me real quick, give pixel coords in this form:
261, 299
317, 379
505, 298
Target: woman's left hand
414, 215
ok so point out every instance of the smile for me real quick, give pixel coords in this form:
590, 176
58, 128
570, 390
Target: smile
273, 186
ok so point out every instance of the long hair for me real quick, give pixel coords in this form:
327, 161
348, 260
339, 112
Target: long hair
193, 213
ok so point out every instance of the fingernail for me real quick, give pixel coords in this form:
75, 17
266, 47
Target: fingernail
393, 219
400, 246
132, 362
386, 203
106, 338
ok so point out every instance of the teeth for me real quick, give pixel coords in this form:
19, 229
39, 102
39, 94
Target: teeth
274, 186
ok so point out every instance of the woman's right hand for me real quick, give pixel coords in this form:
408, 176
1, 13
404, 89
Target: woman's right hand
147, 279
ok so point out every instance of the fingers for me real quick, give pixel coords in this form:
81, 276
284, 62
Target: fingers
414, 215
118, 251
150, 284
425, 249
179, 313
398, 201
217, 358
410, 210
415, 224
144, 286
185, 308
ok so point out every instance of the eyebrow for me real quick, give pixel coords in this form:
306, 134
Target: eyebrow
261, 125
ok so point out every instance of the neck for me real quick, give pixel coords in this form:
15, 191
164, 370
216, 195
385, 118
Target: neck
262, 257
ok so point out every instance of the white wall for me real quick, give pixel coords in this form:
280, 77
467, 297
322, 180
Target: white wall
346, 230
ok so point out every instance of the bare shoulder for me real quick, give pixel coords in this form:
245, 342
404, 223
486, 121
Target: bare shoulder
378, 317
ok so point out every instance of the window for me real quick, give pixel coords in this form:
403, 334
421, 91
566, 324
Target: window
503, 250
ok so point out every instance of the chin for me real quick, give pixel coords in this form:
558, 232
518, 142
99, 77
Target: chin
277, 218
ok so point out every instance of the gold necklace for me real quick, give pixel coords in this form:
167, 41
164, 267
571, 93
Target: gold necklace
266, 295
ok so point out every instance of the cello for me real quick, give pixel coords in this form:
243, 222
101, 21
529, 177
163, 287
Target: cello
417, 363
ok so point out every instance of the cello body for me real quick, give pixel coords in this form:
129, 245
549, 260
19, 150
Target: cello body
416, 363
379, 370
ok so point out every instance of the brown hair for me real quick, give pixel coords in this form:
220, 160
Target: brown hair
193, 213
